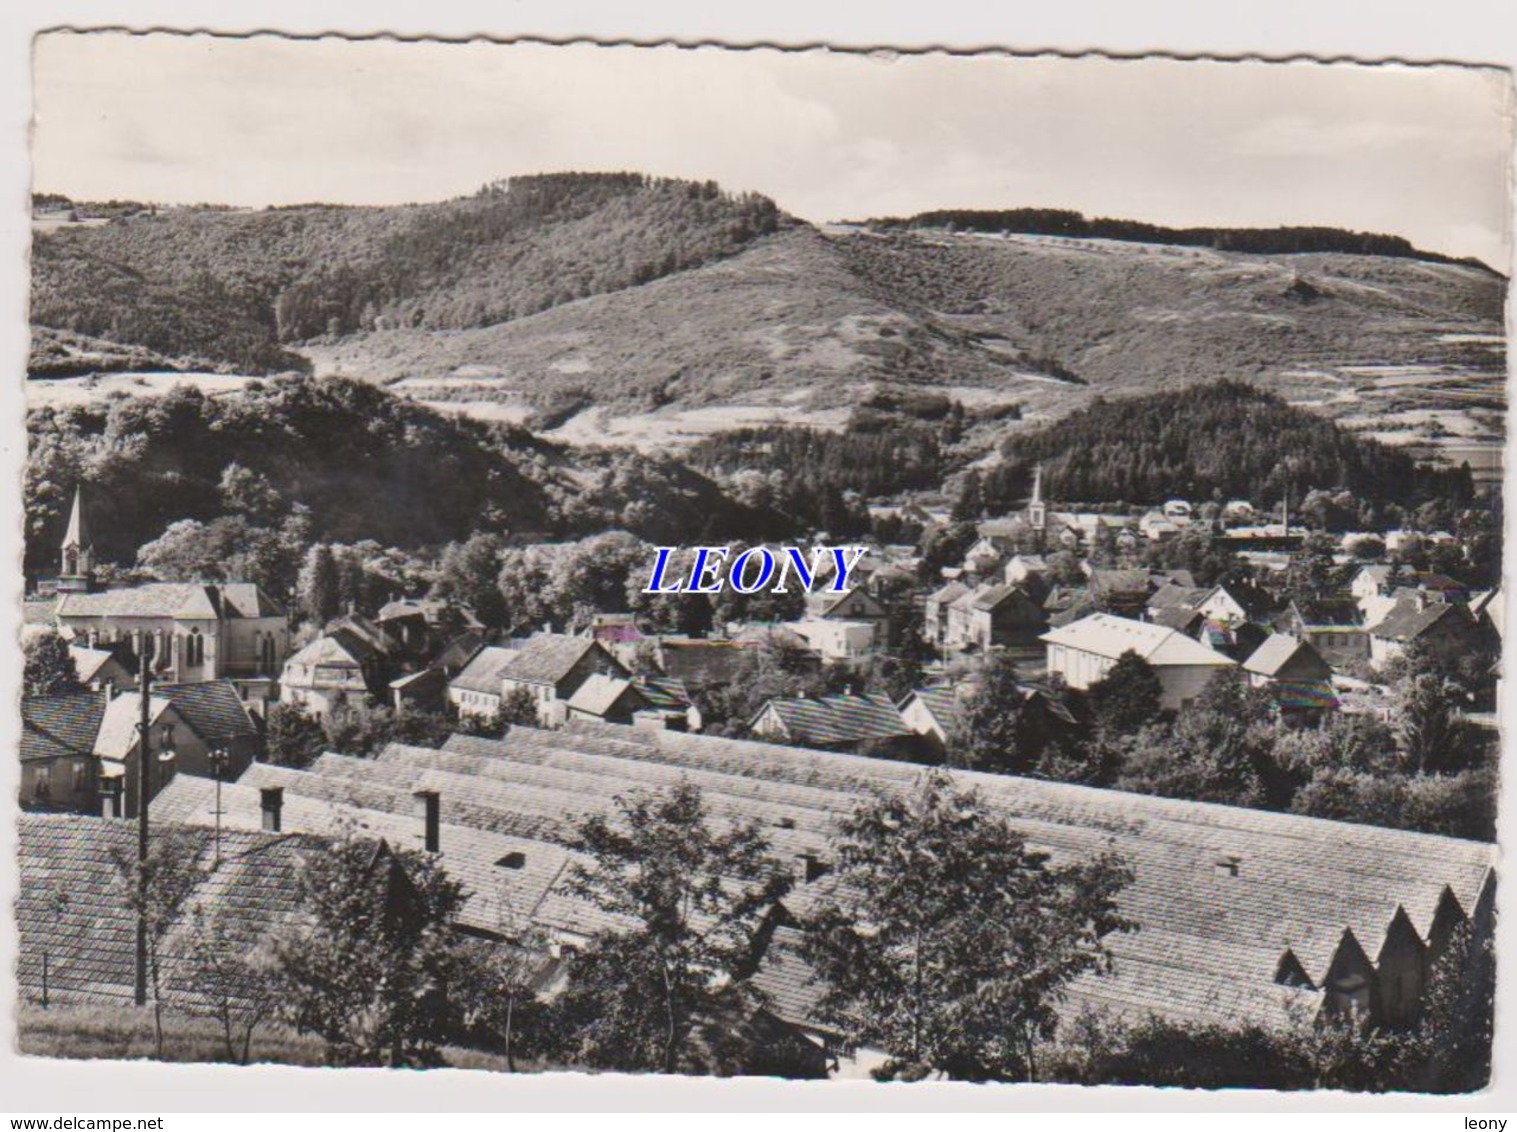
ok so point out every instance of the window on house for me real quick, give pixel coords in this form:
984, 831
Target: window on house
42, 784
81, 776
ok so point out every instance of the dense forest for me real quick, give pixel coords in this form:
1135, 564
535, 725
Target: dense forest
894, 442
1067, 222
1147, 448
234, 287
341, 460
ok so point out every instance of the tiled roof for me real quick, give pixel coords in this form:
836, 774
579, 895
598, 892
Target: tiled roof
71, 907
991, 599
1172, 596
211, 708
484, 670
600, 693
1107, 636
1208, 943
245, 599
830, 720
1406, 622
427, 681
1209, 940
700, 663
948, 593
1274, 654
338, 647
1120, 581
35, 611
194, 600
547, 658
118, 727
1317, 695
497, 894
943, 703
60, 726
666, 693
88, 662
1183, 618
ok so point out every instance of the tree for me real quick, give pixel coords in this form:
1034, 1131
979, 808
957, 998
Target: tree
518, 708
318, 585
1312, 573
1432, 735
970, 504
1452, 1044
497, 988
48, 668
234, 986
946, 942
367, 966
291, 737
694, 897
154, 890
249, 493
1000, 728
470, 572
1128, 697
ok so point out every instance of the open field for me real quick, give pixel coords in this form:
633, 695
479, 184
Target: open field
125, 1033
63, 391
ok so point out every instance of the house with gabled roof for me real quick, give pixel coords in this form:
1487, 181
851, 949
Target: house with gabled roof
1084, 651
935, 612
339, 666
856, 604
1334, 626
700, 664
58, 768
934, 712
101, 668
1447, 629
843, 722
995, 616
610, 699
550, 667
1297, 677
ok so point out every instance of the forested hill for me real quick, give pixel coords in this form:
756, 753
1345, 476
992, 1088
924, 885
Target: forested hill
234, 288
1222, 441
292, 460
1282, 240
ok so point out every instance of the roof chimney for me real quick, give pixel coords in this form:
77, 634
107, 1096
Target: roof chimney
271, 801
808, 866
431, 819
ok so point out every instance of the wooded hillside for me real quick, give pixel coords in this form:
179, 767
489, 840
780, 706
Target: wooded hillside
236, 286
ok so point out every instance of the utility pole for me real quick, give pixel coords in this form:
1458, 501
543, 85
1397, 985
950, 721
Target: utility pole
144, 789
145, 759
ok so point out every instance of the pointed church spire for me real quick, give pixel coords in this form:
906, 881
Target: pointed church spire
77, 535
1037, 484
78, 550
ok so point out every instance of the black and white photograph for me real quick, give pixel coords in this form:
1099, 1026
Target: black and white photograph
825, 565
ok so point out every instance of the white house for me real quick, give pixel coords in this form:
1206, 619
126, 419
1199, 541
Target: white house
1083, 652
837, 640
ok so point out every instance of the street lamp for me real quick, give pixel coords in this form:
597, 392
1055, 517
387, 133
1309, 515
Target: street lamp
144, 792
219, 757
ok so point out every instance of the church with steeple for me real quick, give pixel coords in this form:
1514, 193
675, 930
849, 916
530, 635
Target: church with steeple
77, 555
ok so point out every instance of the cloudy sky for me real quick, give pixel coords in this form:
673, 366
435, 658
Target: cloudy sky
1421, 152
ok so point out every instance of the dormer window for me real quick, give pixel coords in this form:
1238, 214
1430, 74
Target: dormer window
513, 860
